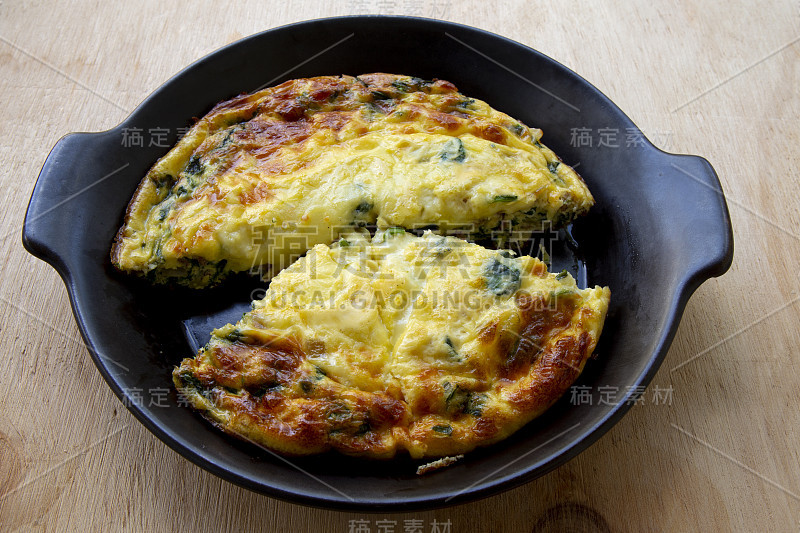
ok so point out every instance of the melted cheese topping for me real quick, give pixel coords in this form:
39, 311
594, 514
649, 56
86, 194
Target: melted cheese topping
426, 344
266, 176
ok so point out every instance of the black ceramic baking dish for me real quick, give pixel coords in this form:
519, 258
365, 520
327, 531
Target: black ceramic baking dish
660, 227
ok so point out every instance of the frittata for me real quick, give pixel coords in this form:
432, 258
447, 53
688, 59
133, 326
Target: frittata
429, 345
265, 176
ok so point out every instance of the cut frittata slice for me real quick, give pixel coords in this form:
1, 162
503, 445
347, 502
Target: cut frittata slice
429, 345
266, 176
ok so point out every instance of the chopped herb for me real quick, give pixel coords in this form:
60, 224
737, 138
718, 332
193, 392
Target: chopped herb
518, 130
362, 208
167, 180
453, 151
466, 103
227, 138
475, 403
501, 279
363, 428
379, 95
374, 108
194, 166
402, 86
450, 392
562, 292
306, 102
361, 213
458, 400
561, 275
163, 213
411, 84
192, 382
504, 198
235, 335
306, 386
362, 82
395, 231
538, 145
552, 166
444, 430
343, 243
451, 350
158, 253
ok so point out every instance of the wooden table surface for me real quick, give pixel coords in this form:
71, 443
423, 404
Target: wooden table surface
720, 453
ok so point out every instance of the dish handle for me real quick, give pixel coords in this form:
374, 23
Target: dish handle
46, 231
705, 224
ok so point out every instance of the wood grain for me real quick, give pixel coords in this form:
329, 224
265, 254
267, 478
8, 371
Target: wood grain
706, 77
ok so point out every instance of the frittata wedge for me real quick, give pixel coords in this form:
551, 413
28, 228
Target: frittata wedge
265, 176
429, 345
